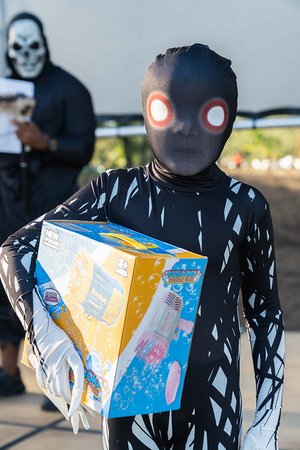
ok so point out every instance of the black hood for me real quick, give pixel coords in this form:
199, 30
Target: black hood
189, 104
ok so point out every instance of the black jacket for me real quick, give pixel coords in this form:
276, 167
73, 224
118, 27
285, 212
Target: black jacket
64, 111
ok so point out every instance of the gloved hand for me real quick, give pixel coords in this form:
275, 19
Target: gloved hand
54, 356
263, 433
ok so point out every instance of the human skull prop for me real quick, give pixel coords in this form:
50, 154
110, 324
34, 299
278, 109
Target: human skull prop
26, 48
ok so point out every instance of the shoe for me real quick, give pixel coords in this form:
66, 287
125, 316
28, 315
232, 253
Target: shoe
48, 406
11, 384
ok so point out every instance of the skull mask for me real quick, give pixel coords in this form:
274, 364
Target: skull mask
26, 48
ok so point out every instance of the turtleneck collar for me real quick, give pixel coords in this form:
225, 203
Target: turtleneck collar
206, 180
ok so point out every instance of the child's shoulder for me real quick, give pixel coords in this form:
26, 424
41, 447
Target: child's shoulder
247, 193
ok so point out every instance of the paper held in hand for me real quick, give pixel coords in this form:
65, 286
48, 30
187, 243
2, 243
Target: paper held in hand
16, 103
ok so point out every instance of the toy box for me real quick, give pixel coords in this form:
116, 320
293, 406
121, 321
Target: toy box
129, 304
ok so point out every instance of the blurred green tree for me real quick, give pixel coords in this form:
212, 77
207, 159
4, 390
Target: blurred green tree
130, 151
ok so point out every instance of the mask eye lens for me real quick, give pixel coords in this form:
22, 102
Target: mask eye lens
35, 45
214, 115
159, 110
16, 46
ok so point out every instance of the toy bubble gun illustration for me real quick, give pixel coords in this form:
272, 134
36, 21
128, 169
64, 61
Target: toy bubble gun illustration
102, 293
126, 241
104, 299
166, 324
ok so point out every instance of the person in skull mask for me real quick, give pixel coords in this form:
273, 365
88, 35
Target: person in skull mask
181, 197
60, 138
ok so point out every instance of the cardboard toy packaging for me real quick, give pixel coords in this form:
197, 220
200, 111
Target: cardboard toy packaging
129, 303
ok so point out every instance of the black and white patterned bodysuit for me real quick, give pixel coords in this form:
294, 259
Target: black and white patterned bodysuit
211, 214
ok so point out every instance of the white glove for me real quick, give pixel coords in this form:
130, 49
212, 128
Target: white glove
263, 433
54, 356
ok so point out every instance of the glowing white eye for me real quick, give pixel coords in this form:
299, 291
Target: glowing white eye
159, 110
216, 116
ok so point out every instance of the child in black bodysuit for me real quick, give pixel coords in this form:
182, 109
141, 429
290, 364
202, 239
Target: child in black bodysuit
182, 197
